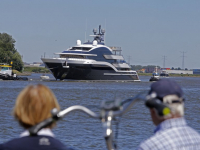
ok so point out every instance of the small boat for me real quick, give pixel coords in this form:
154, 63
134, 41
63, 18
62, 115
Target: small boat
164, 74
44, 77
155, 75
6, 73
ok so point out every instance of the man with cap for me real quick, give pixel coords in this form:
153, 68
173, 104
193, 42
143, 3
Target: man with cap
172, 132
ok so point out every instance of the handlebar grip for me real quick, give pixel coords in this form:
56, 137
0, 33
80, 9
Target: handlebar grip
34, 130
161, 108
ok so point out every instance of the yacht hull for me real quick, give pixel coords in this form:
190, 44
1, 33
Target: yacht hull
88, 72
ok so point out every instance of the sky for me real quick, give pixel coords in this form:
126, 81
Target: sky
150, 32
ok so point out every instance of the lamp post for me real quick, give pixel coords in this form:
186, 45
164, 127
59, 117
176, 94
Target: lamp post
11, 66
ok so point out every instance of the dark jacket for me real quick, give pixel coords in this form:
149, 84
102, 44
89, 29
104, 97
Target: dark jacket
34, 143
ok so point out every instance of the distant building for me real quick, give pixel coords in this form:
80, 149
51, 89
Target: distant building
142, 70
179, 71
169, 71
196, 71
25, 63
37, 63
34, 64
165, 68
150, 70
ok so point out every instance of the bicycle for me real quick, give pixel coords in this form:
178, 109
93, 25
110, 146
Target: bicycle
109, 111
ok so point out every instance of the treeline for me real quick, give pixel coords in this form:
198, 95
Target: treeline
8, 53
36, 69
139, 67
178, 68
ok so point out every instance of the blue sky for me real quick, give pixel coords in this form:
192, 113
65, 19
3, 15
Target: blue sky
146, 30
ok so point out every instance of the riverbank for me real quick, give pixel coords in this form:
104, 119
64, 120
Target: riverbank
172, 75
29, 70
21, 73
36, 70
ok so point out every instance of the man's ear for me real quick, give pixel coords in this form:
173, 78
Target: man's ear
153, 111
154, 116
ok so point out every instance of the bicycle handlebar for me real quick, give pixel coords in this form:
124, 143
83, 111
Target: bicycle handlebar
34, 130
58, 115
77, 108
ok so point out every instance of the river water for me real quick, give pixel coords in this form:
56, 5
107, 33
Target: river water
82, 132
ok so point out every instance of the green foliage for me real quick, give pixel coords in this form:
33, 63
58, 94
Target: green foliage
136, 67
177, 68
17, 61
139, 67
36, 69
145, 74
8, 52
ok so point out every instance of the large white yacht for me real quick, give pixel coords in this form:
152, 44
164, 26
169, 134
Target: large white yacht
91, 61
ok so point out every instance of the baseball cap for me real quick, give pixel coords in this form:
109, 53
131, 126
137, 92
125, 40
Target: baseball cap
164, 87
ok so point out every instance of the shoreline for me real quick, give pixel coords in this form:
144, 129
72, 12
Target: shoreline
172, 75
139, 74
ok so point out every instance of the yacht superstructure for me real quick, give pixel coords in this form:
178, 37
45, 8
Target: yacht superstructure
91, 61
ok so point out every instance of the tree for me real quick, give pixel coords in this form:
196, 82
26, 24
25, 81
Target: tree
151, 66
172, 68
17, 61
139, 67
136, 67
8, 52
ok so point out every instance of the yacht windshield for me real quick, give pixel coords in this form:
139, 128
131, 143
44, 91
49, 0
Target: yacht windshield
5, 68
72, 56
80, 48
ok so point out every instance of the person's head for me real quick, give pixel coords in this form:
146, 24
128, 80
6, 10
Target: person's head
171, 94
34, 104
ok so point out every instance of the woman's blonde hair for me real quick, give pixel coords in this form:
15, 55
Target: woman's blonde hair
34, 104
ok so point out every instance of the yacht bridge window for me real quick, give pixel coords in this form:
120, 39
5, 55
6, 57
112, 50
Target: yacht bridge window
72, 56
116, 50
80, 48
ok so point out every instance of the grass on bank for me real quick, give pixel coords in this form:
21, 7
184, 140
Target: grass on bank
21, 74
36, 70
28, 70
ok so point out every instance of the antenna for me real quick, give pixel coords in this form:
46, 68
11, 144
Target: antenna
183, 59
99, 29
129, 59
99, 37
105, 33
85, 28
164, 61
